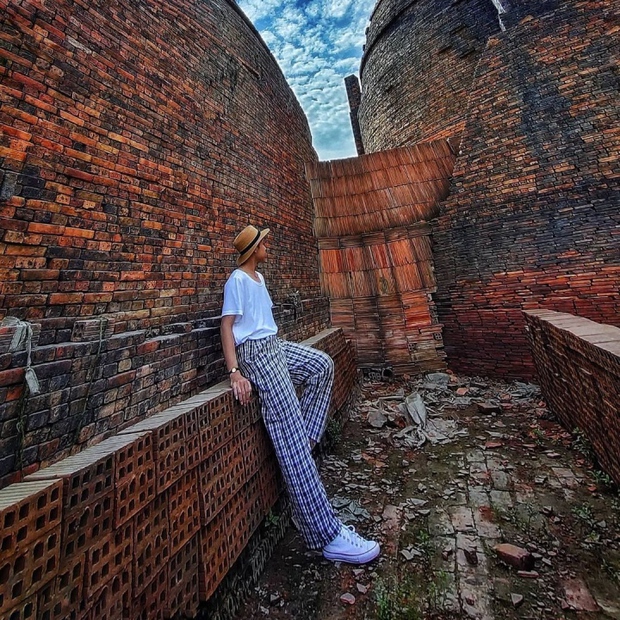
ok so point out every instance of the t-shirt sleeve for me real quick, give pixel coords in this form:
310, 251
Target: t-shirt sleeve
233, 298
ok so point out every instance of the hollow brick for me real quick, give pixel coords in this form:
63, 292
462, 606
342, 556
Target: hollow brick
184, 510
220, 477
151, 542
183, 574
215, 556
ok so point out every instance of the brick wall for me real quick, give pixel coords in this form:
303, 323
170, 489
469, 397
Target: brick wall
417, 69
532, 218
136, 140
578, 367
372, 215
146, 524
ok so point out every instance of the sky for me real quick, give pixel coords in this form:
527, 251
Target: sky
317, 43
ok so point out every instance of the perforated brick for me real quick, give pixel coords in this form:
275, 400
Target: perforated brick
62, 599
193, 444
87, 476
215, 556
114, 600
169, 438
134, 496
88, 496
152, 602
108, 557
256, 447
151, 542
183, 574
245, 415
134, 475
28, 569
215, 419
83, 527
238, 529
27, 610
220, 477
27, 510
184, 510
255, 502
271, 483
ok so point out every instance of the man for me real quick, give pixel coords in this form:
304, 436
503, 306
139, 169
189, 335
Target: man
254, 355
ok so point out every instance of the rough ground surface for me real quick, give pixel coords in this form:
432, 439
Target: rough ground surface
494, 468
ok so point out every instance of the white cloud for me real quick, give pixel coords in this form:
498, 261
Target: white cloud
317, 43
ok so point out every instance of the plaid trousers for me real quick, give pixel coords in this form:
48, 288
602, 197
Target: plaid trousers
275, 366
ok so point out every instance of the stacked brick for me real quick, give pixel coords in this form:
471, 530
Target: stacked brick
132, 149
578, 367
417, 68
372, 216
533, 215
147, 523
95, 382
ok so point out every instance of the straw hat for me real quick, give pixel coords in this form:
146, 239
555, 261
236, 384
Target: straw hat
247, 241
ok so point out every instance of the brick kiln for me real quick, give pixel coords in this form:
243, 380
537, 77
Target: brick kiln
526, 93
133, 148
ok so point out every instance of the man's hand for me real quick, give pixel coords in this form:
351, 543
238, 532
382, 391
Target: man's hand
241, 387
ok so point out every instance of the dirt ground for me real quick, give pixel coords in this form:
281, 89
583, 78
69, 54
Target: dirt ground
490, 467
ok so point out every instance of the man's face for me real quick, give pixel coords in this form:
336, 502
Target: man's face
261, 252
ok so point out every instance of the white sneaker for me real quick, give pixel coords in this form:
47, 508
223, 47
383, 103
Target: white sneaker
350, 547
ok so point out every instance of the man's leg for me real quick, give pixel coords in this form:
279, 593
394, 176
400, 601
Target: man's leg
264, 363
314, 371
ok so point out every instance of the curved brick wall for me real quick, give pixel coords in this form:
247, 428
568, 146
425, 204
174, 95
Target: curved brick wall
532, 220
417, 69
133, 147
136, 139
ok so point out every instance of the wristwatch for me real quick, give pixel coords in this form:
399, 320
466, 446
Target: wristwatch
233, 370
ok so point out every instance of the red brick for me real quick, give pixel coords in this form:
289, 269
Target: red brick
215, 556
220, 476
183, 574
184, 510
151, 542
169, 450
63, 597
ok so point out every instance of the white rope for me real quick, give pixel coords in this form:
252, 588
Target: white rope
22, 338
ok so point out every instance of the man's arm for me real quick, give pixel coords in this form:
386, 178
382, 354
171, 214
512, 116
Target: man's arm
241, 387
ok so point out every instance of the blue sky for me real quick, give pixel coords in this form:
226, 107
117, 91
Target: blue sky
317, 43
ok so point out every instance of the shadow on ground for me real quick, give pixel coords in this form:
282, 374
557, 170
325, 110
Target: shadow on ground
491, 468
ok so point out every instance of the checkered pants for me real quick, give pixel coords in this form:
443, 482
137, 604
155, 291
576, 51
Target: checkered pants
275, 367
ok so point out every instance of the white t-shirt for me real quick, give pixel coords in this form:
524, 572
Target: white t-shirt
249, 301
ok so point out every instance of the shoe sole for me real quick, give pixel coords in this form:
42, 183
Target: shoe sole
361, 558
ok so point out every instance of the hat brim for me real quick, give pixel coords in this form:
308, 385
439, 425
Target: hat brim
246, 255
